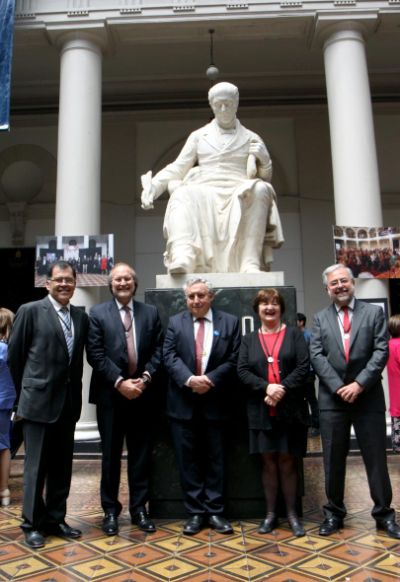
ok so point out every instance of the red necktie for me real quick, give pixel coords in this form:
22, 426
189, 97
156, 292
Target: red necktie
346, 332
130, 342
199, 346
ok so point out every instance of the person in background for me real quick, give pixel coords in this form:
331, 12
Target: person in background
309, 385
7, 399
393, 370
273, 364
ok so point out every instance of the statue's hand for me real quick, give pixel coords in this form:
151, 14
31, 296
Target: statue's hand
148, 192
259, 150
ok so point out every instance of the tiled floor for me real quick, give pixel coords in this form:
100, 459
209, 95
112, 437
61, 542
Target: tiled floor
357, 554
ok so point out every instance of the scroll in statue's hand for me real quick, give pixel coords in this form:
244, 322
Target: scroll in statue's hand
148, 191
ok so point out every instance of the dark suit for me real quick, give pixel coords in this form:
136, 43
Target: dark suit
118, 417
49, 389
197, 420
367, 358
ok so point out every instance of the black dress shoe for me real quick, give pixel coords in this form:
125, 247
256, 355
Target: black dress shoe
143, 521
110, 524
63, 530
268, 525
329, 526
193, 525
296, 526
220, 524
34, 539
390, 527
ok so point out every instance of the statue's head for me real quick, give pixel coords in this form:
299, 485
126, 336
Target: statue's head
224, 101
223, 91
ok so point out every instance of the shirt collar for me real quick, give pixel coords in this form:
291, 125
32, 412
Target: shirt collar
208, 316
121, 306
58, 306
350, 305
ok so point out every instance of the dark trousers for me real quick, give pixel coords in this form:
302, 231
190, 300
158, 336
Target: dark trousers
199, 450
48, 462
124, 421
309, 393
370, 430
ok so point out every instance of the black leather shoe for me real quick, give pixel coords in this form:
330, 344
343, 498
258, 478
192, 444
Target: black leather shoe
390, 527
63, 530
329, 526
268, 525
220, 524
143, 521
193, 525
110, 524
34, 539
296, 526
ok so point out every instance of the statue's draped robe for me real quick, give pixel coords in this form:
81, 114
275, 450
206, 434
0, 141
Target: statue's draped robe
209, 213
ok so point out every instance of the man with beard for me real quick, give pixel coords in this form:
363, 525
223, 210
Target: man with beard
349, 349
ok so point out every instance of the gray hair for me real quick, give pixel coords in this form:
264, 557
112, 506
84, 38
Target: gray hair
194, 280
334, 268
223, 88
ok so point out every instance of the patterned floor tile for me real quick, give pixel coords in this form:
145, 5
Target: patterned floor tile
281, 554
69, 554
172, 569
323, 567
208, 555
247, 568
97, 568
355, 554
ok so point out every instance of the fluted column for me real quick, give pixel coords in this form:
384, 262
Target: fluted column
78, 169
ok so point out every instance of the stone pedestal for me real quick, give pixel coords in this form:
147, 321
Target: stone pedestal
244, 495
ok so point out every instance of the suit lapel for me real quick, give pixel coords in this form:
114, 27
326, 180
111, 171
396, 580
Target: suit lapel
333, 321
188, 332
356, 321
55, 323
116, 321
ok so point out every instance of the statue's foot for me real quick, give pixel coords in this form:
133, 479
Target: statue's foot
250, 269
180, 267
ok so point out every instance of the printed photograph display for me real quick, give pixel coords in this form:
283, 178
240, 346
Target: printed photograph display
370, 252
92, 256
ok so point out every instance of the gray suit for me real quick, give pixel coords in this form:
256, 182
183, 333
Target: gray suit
49, 388
367, 358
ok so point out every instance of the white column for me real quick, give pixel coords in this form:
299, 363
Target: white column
78, 169
354, 158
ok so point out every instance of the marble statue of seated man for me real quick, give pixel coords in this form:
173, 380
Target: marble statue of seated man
222, 214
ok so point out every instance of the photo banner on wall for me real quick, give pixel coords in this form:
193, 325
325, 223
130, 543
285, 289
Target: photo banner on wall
370, 252
6, 47
92, 256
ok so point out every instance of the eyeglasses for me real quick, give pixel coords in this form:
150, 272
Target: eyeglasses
200, 296
336, 282
61, 280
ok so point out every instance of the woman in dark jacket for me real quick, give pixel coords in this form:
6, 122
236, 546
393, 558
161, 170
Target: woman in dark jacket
273, 365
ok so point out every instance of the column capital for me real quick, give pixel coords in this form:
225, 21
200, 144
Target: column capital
93, 37
338, 26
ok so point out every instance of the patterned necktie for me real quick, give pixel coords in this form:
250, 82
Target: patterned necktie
346, 332
65, 319
130, 342
200, 345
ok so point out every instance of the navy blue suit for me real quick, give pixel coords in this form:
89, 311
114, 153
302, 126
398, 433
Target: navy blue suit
118, 417
197, 420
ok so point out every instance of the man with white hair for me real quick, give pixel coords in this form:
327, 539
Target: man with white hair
200, 354
222, 214
349, 349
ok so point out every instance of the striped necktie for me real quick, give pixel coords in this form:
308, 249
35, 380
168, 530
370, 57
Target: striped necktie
65, 319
